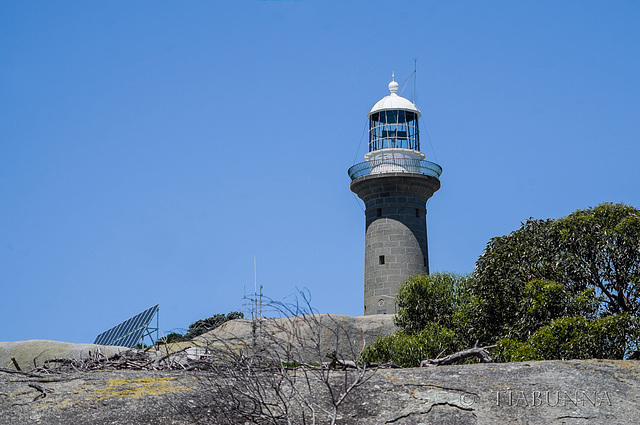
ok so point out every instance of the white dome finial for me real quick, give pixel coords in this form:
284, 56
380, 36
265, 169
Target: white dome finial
393, 86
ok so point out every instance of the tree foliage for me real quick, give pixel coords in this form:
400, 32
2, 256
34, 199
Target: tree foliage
544, 301
609, 337
600, 247
174, 337
205, 325
589, 252
427, 299
431, 318
409, 349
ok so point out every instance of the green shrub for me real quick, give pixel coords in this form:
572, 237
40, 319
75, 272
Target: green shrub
409, 349
511, 350
544, 301
205, 325
174, 337
426, 299
567, 288
609, 337
596, 249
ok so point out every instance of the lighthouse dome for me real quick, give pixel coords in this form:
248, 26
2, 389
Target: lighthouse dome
394, 102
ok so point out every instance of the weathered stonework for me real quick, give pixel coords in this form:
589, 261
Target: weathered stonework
396, 233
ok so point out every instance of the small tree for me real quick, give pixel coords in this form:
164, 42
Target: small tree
596, 249
506, 265
610, 337
544, 301
174, 337
432, 316
409, 349
201, 326
427, 299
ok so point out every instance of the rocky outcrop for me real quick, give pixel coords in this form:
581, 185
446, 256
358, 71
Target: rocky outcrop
549, 392
318, 333
312, 336
34, 352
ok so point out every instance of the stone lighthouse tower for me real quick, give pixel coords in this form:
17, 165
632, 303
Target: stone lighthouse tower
395, 183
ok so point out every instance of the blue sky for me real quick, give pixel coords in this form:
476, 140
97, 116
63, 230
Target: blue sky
149, 150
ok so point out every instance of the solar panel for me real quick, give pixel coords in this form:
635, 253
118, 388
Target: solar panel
129, 332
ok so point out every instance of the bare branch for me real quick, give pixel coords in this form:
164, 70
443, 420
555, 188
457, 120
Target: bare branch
479, 352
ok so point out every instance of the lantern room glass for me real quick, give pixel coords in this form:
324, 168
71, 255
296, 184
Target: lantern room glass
393, 129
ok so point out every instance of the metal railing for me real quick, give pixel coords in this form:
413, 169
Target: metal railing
395, 165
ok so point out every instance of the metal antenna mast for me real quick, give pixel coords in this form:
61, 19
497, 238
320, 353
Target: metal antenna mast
254, 302
415, 77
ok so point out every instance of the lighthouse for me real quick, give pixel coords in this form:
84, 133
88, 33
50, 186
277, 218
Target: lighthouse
395, 182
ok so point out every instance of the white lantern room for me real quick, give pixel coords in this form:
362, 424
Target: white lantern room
394, 137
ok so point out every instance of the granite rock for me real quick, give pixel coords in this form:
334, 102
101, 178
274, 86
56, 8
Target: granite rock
34, 352
548, 392
312, 336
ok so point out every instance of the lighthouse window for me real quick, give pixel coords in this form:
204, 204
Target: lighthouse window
381, 259
392, 116
393, 129
417, 213
379, 212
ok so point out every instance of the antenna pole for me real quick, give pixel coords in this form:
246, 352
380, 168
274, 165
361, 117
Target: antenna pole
256, 303
415, 77
157, 328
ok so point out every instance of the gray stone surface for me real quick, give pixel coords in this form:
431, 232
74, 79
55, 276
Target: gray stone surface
34, 352
551, 392
311, 336
396, 234
554, 392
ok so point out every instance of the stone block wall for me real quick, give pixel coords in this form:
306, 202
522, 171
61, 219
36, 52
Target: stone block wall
396, 234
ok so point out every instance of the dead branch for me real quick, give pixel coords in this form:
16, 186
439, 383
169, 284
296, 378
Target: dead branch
15, 363
479, 352
131, 359
21, 372
43, 391
344, 364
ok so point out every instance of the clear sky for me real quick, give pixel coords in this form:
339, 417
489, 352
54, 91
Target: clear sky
149, 150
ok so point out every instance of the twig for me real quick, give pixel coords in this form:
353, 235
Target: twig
480, 352
43, 391
15, 363
21, 372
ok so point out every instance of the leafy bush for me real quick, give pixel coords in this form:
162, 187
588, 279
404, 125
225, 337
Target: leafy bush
409, 349
595, 249
174, 337
426, 299
205, 325
609, 337
432, 316
544, 301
